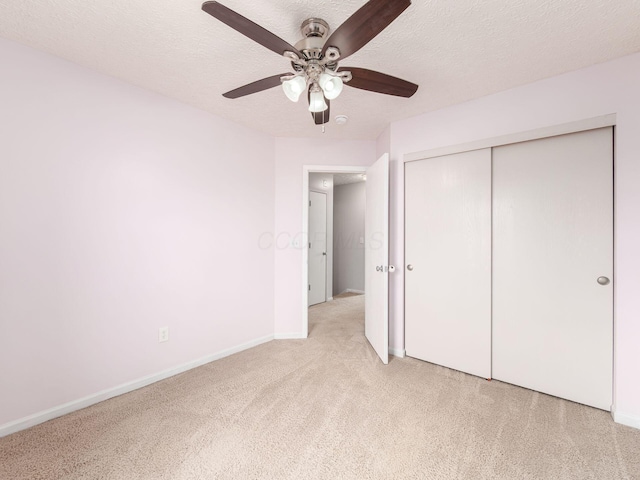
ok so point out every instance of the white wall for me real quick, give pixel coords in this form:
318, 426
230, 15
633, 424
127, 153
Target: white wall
323, 183
121, 211
291, 155
348, 218
611, 87
383, 142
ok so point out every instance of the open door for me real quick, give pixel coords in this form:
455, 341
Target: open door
376, 282
317, 248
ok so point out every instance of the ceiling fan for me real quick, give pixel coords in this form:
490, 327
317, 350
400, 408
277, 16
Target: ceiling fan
315, 58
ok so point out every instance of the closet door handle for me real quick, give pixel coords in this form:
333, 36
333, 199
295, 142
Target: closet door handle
604, 281
410, 267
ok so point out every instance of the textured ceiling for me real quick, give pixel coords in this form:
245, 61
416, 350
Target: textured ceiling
455, 50
347, 178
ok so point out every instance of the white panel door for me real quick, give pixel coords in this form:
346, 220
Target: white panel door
448, 261
552, 241
376, 253
317, 248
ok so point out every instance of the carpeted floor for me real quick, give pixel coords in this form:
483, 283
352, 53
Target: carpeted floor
326, 408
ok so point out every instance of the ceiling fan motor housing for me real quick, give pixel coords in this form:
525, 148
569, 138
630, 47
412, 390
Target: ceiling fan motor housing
314, 32
314, 27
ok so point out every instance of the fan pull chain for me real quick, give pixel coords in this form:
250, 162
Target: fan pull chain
324, 120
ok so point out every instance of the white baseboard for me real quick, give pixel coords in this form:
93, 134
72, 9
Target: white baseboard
289, 336
330, 299
397, 352
625, 418
351, 290
40, 417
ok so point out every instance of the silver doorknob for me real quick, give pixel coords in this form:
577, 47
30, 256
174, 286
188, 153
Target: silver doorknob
410, 268
604, 281
324, 253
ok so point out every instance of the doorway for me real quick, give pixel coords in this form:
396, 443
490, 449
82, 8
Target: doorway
336, 237
319, 184
374, 242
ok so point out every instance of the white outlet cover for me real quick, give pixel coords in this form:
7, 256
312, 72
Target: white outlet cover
163, 334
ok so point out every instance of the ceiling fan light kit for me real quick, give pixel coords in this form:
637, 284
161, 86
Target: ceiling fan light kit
331, 85
314, 59
294, 87
317, 103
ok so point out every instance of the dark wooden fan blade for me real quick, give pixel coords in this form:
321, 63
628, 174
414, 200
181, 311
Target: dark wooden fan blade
361, 27
320, 118
379, 82
248, 28
255, 87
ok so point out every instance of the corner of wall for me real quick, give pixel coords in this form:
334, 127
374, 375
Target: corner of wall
383, 142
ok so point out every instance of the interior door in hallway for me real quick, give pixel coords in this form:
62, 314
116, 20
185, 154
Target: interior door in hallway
553, 266
376, 253
317, 248
448, 261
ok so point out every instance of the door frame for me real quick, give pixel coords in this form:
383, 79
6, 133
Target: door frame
536, 134
306, 170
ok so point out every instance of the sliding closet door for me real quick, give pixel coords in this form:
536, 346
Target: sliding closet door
553, 266
448, 261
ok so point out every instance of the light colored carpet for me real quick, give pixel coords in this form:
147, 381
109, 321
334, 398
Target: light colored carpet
326, 408
346, 295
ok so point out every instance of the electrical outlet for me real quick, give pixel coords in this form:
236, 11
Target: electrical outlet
163, 334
